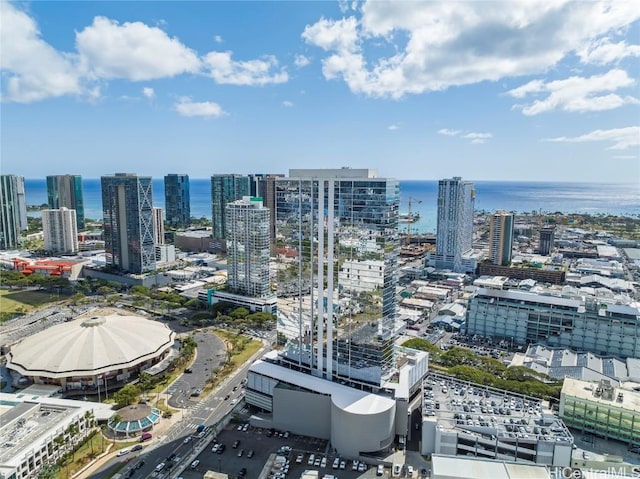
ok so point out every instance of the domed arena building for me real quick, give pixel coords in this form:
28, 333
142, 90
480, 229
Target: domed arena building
93, 354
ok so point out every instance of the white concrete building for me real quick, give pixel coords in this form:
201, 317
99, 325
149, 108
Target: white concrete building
367, 275
60, 231
354, 420
31, 425
247, 238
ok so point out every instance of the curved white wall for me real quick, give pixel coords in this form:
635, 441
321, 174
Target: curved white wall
355, 429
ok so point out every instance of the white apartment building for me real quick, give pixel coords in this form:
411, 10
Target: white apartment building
455, 225
367, 275
582, 323
60, 231
247, 225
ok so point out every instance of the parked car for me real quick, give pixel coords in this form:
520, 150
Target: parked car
195, 463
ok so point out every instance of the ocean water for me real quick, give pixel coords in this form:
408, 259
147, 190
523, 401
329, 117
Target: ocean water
548, 197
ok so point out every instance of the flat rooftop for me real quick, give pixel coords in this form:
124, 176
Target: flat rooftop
28, 421
472, 468
486, 412
630, 399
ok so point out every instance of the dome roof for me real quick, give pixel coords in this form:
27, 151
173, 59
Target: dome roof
90, 345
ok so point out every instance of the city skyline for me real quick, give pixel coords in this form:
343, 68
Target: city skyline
518, 91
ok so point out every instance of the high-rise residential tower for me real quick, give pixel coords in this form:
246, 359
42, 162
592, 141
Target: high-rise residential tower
158, 225
128, 222
66, 191
264, 186
225, 189
326, 218
454, 234
13, 210
547, 239
501, 238
247, 223
60, 231
177, 200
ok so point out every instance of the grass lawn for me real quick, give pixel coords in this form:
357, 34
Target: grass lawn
238, 357
22, 301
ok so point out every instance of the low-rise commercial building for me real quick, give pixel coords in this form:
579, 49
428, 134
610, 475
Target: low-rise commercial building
36, 431
582, 323
466, 419
602, 409
560, 363
447, 467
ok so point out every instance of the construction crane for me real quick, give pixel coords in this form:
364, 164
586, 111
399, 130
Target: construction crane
410, 218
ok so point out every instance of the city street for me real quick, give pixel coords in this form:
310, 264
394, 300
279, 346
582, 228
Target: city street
209, 410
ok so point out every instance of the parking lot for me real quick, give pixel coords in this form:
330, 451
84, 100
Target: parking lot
262, 444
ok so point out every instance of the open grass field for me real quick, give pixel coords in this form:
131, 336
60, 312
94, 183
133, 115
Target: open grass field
23, 301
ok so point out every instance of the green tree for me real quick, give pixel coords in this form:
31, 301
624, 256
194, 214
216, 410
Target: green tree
423, 345
139, 290
126, 395
49, 471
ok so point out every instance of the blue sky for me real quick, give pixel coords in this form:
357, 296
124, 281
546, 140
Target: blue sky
533, 90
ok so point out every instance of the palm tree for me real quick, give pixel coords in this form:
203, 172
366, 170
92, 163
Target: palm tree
72, 432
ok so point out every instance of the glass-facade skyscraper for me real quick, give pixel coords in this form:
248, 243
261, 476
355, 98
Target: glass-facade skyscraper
454, 236
66, 191
127, 208
13, 210
224, 190
177, 200
325, 220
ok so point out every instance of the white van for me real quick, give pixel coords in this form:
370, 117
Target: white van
160, 467
380, 470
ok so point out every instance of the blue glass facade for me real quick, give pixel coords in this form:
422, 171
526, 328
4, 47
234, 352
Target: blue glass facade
127, 207
177, 200
66, 191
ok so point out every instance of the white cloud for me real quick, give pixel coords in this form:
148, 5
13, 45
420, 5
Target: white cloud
149, 92
442, 44
577, 94
301, 61
478, 136
204, 109
448, 132
619, 138
393, 127
263, 71
625, 157
32, 69
133, 51
602, 51
287, 104
218, 39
